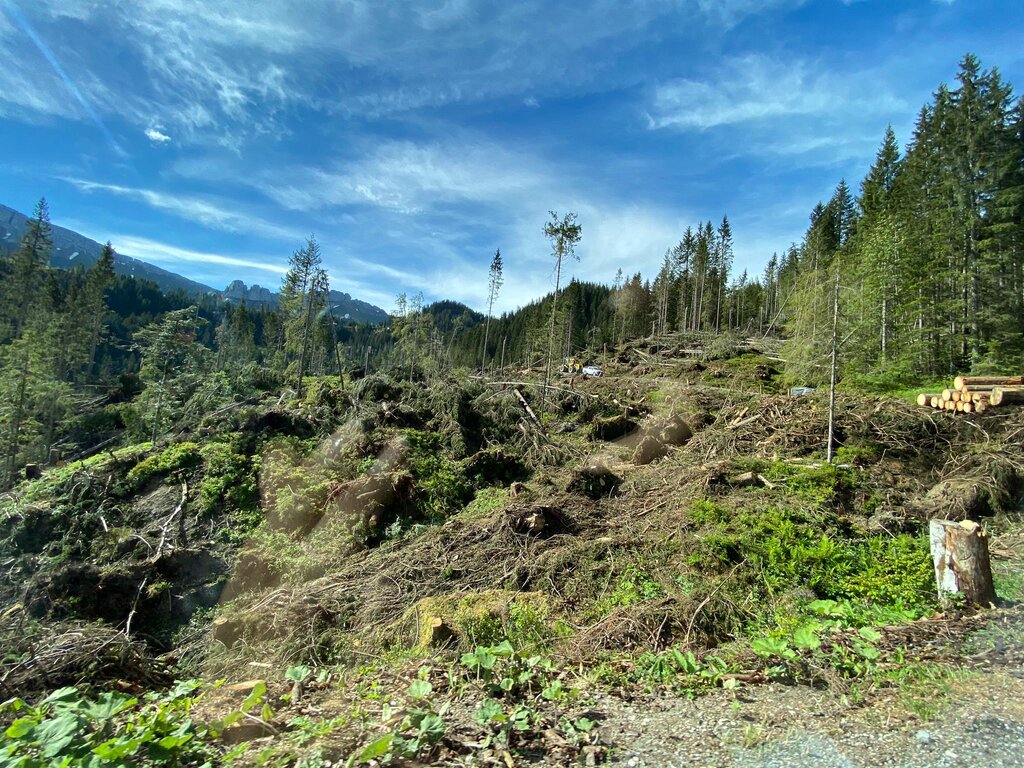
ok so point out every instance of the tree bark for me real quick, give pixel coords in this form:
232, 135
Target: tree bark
970, 381
834, 372
1006, 396
960, 555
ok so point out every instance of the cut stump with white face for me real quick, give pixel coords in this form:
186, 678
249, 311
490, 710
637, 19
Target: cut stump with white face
960, 553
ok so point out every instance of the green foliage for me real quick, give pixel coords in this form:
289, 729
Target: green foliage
681, 671
823, 485
179, 456
633, 586
486, 501
896, 572
112, 729
788, 558
706, 512
441, 483
230, 480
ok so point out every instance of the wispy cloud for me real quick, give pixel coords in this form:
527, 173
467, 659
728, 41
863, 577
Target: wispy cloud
411, 177
223, 215
69, 85
755, 88
171, 255
216, 71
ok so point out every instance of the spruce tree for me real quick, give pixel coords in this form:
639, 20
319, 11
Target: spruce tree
495, 280
564, 234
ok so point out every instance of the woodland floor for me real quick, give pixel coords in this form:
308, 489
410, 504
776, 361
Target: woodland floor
679, 576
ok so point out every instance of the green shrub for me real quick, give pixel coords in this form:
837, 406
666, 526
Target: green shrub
705, 512
229, 479
173, 458
442, 485
892, 571
780, 553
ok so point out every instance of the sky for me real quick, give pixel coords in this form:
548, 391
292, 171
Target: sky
413, 139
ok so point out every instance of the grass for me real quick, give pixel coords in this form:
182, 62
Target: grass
924, 688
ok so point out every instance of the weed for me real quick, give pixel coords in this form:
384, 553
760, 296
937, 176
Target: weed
66, 728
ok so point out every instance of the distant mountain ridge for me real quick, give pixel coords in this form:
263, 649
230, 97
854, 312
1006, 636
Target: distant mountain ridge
343, 306
71, 249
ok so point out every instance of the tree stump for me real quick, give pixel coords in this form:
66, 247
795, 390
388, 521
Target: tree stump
960, 554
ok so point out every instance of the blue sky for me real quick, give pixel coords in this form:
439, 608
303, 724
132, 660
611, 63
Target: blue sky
416, 138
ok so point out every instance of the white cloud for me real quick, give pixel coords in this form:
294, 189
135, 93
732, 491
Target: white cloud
408, 177
222, 215
755, 88
156, 136
210, 70
169, 255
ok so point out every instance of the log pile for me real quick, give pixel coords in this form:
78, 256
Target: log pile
976, 394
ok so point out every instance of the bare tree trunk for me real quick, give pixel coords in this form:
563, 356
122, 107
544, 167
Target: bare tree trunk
305, 337
551, 332
835, 368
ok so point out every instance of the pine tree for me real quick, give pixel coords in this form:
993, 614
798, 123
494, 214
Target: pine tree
564, 234
302, 297
494, 283
28, 268
173, 367
99, 280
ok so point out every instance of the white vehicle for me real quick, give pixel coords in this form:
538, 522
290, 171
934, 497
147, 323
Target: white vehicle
592, 370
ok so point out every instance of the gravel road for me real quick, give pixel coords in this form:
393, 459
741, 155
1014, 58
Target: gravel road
979, 721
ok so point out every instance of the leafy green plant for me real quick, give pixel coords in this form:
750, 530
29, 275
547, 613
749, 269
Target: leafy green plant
681, 671
113, 729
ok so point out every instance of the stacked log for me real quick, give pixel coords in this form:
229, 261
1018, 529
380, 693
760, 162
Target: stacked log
976, 394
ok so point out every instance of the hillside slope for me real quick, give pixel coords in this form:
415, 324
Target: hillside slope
71, 249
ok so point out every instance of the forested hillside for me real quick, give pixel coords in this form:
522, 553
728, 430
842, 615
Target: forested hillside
926, 260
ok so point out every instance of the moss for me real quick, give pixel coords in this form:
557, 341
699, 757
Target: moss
171, 459
483, 618
229, 479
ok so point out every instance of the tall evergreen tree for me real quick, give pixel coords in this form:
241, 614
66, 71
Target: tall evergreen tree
302, 297
564, 234
495, 280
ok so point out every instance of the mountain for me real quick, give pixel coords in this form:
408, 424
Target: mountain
342, 305
71, 249
255, 296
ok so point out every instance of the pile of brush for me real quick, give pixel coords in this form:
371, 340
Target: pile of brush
975, 394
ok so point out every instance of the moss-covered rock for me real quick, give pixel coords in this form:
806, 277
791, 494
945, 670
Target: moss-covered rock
479, 618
